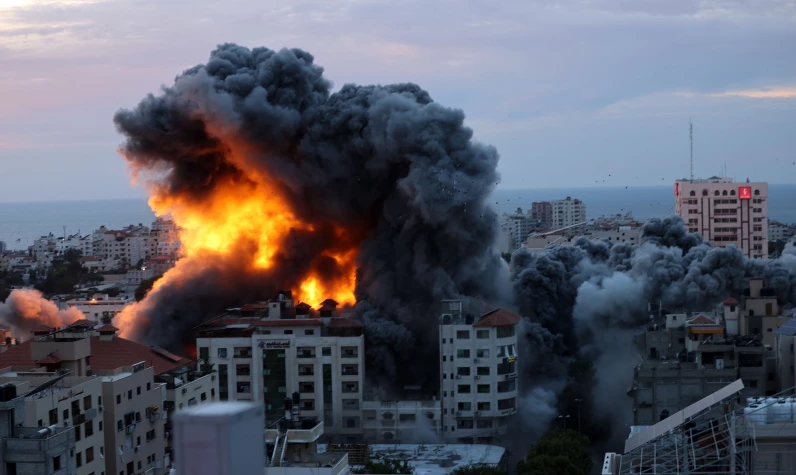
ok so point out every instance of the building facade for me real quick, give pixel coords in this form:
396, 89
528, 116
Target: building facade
402, 421
478, 348
542, 213
100, 306
568, 212
726, 213
268, 350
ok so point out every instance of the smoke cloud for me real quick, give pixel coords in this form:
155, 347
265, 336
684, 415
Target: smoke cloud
380, 170
24, 309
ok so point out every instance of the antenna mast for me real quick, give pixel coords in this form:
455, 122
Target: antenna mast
691, 136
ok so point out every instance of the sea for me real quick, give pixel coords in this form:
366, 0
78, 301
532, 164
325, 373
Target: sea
23, 223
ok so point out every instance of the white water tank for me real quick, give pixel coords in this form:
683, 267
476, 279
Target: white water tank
779, 412
755, 414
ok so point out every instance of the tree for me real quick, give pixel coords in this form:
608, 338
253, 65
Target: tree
387, 467
144, 287
478, 469
558, 453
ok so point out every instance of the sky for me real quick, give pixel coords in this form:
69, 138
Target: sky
569, 91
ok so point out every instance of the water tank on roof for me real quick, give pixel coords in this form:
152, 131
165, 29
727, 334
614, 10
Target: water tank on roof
755, 414
779, 412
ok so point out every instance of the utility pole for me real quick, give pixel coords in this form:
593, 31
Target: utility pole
578, 401
691, 137
564, 421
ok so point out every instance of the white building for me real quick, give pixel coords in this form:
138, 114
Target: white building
726, 213
568, 212
267, 350
77, 242
778, 231
402, 421
100, 305
622, 234
478, 346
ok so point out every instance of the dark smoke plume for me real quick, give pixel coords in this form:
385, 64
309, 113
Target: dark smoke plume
595, 296
399, 172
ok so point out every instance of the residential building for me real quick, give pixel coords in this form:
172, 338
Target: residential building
53, 399
725, 212
31, 450
100, 308
77, 242
137, 382
518, 226
542, 213
760, 313
568, 213
785, 338
136, 276
778, 231
478, 348
405, 421
622, 234
266, 350
3, 247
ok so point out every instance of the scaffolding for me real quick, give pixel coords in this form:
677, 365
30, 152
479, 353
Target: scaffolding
717, 435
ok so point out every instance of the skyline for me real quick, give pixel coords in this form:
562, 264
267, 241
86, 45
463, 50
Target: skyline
567, 93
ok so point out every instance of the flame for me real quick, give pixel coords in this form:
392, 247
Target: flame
243, 213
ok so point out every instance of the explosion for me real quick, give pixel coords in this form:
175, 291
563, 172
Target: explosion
373, 196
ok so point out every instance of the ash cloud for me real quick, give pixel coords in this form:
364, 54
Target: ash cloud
399, 172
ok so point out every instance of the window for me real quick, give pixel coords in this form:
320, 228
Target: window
307, 404
138, 391
53, 416
464, 423
504, 404
463, 389
482, 353
222, 353
242, 370
463, 335
406, 417
66, 414
351, 422
757, 192
119, 425
306, 387
462, 353
350, 370
351, 387
78, 437
704, 192
693, 193
288, 332
79, 460
463, 371
483, 406
306, 370
87, 402
204, 354
89, 454
150, 435
716, 193
243, 387
483, 389
130, 394
482, 334
505, 332
309, 332
464, 406
326, 351
305, 351
483, 371
148, 386
507, 386
484, 423
349, 352
88, 428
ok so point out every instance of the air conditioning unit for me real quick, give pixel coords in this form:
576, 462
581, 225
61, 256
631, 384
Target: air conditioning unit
66, 423
130, 429
101, 408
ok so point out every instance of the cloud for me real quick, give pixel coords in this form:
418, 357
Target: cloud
774, 93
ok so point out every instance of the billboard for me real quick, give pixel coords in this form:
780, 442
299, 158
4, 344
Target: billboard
745, 192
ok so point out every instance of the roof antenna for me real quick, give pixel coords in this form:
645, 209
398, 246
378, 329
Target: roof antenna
691, 136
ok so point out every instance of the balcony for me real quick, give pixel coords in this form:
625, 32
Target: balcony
31, 445
297, 435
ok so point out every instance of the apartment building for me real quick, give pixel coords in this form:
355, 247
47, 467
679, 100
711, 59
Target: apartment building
56, 400
139, 386
404, 421
265, 351
542, 213
726, 213
568, 213
75, 241
478, 347
778, 231
31, 450
100, 307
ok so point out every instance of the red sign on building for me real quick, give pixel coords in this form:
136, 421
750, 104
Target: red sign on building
745, 192
676, 189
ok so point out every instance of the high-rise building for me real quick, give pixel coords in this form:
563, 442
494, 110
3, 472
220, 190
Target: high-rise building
265, 351
542, 213
725, 212
478, 349
567, 212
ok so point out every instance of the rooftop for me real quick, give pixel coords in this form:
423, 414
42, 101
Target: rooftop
498, 318
437, 459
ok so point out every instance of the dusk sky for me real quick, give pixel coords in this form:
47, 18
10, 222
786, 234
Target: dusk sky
568, 91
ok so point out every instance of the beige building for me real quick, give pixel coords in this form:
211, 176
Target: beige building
133, 403
725, 212
68, 402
